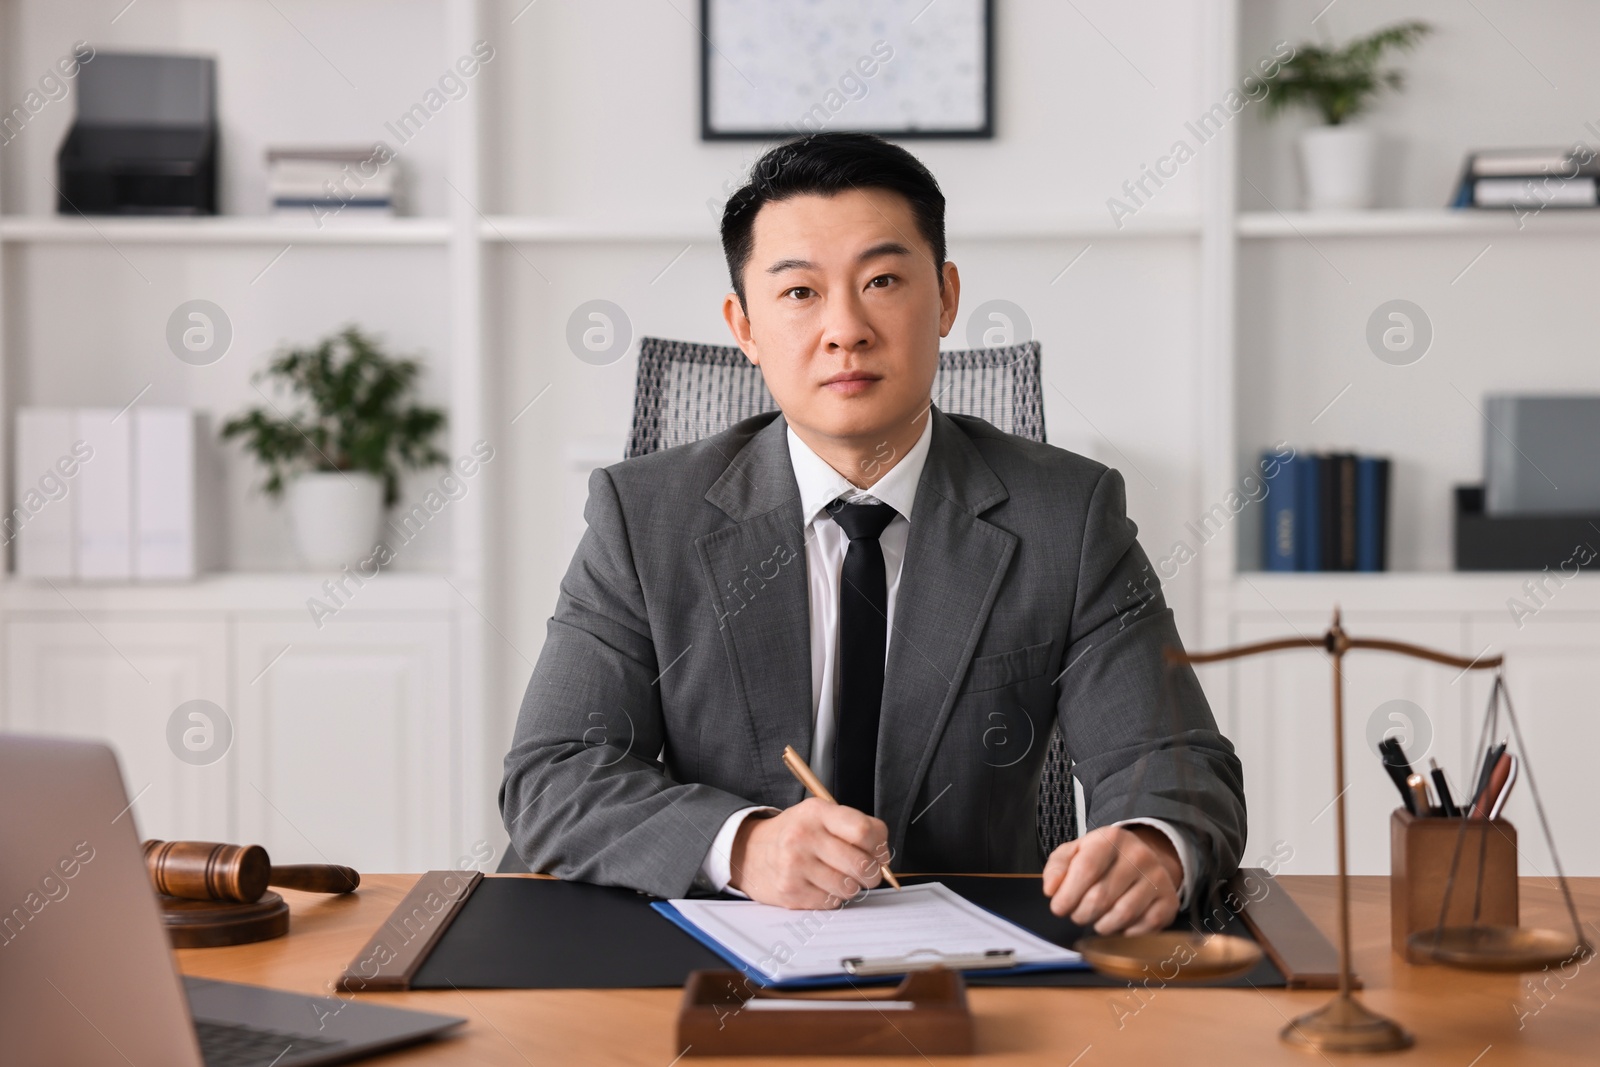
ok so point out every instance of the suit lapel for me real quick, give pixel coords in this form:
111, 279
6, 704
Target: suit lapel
756, 571
953, 567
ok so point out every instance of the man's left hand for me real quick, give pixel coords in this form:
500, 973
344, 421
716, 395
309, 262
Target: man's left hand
1120, 879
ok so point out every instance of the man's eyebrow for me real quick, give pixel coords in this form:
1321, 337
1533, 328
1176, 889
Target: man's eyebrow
883, 248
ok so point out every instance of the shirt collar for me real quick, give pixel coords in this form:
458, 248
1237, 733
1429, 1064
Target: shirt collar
820, 485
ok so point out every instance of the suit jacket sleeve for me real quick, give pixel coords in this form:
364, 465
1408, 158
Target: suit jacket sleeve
585, 795
1142, 737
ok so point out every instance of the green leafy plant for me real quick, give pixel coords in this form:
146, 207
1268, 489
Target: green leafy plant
1342, 83
350, 411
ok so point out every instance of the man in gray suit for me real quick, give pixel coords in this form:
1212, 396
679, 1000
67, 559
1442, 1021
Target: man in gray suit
911, 599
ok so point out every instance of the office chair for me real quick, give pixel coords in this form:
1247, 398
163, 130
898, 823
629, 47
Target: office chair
686, 391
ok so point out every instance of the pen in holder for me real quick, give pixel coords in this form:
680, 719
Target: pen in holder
1420, 852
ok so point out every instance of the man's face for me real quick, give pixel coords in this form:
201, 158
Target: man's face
844, 314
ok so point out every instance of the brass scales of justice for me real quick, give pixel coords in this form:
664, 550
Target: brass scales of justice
1344, 1024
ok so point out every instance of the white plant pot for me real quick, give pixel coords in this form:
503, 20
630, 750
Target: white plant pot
1337, 163
335, 516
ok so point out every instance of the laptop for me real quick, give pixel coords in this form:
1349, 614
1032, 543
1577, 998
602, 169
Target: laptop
86, 973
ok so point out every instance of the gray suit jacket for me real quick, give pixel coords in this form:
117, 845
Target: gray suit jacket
678, 665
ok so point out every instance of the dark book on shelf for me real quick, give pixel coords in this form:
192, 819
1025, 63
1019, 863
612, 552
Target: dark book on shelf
1326, 512
1278, 534
1372, 513
1308, 528
1327, 558
1345, 470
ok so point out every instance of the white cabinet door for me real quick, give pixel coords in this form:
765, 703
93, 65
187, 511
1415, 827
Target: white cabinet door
120, 679
347, 738
1553, 674
1280, 720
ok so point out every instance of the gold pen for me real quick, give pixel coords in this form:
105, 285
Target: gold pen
1419, 794
797, 767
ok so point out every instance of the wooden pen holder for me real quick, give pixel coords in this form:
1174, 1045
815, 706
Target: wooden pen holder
1420, 853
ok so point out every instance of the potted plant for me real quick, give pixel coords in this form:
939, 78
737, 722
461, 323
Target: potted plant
339, 444
1341, 83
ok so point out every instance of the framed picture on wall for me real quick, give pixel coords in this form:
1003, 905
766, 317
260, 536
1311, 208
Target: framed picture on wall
901, 68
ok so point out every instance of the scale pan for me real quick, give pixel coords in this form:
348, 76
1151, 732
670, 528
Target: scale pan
1497, 948
1196, 957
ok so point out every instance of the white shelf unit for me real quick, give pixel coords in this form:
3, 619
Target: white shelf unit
220, 230
226, 591
1399, 222
359, 733
537, 229
1290, 362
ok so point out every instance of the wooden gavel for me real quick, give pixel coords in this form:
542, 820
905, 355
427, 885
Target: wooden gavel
202, 870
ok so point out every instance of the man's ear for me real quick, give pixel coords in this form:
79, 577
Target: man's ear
949, 298
739, 325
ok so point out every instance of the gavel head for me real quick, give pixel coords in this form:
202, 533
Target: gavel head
203, 870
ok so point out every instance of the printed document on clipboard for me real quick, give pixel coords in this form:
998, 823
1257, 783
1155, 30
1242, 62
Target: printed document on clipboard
882, 932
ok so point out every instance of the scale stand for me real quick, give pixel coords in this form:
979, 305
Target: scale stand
1344, 1024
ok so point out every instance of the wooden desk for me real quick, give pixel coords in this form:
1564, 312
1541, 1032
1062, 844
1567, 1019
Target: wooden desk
1458, 1018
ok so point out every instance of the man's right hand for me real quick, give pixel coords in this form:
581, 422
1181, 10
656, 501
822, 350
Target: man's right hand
814, 855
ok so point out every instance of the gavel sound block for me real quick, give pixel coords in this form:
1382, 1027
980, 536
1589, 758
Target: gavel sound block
214, 894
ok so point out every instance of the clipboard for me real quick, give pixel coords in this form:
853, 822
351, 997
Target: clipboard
856, 970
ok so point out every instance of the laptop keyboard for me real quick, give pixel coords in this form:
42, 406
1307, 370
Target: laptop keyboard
233, 1045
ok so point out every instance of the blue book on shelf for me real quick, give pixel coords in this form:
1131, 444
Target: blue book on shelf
1308, 531
1278, 533
1372, 512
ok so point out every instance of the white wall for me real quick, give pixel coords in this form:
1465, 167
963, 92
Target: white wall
598, 110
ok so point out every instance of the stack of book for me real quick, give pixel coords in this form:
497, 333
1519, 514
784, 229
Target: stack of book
328, 182
107, 494
1327, 512
1530, 178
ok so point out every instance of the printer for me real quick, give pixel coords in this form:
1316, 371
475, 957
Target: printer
144, 141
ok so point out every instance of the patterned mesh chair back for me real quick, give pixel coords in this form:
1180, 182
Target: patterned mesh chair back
687, 391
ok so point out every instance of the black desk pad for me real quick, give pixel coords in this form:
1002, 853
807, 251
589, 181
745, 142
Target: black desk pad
528, 933
1021, 901
532, 933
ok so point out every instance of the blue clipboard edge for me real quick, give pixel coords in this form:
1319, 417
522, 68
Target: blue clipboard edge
677, 918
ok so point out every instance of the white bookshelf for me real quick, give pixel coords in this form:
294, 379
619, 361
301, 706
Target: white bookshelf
1420, 222
1290, 362
532, 229
394, 680
220, 230
225, 591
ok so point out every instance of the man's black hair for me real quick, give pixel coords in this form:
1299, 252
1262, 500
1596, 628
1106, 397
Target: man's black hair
825, 164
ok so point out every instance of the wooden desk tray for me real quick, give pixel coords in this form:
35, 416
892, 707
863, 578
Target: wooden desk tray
714, 1019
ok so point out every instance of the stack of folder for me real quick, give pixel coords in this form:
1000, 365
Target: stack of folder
1529, 178
360, 180
1325, 512
102, 493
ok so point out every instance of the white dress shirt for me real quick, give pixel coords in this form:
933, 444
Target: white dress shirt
826, 544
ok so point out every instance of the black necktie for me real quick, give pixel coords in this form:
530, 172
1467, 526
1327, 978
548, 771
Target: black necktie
863, 641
